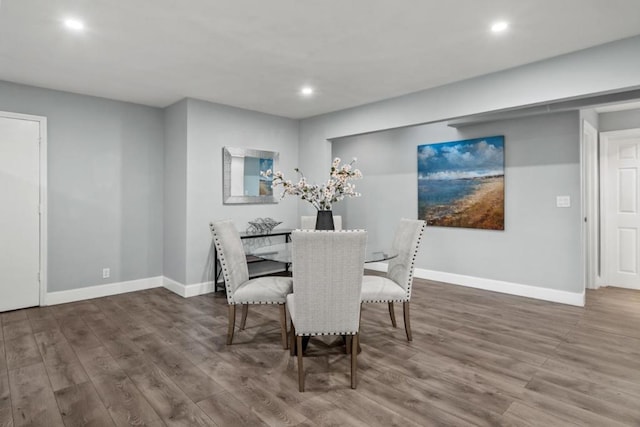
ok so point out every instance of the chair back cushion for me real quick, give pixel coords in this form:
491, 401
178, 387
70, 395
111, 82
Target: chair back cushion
231, 255
327, 280
406, 242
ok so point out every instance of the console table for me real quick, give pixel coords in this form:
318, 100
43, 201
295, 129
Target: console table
284, 233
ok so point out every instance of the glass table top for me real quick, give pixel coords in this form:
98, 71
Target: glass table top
281, 252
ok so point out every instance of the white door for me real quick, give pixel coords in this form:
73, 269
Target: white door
620, 162
19, 213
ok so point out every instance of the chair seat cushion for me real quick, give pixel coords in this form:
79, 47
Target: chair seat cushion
264, 290
291, 308
381, 289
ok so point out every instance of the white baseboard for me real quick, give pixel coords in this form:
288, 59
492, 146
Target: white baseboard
61, 297
173, 285
535, 292
187, 291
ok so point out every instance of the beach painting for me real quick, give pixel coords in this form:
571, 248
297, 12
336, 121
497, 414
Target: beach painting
461, 183
265, 181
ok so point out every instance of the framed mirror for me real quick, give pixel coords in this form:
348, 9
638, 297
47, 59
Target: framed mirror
242, 182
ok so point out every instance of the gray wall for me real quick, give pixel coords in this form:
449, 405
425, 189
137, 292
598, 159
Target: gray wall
175, 191
540, 245
105, 174
211, 127
619, 120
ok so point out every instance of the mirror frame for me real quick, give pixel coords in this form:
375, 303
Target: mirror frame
228, 154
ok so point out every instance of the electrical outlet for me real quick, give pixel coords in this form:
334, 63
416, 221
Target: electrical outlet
563, 201
106, 273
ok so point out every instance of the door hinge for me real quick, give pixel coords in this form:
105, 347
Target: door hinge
38, 275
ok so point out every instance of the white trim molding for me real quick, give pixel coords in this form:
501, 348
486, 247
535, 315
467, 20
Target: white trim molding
535, 292
187, 291
80, 294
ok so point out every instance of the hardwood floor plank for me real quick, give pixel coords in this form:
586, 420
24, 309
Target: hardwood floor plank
166, 398
620, 411
411, 403
54, 348
75, 310
15, 330
6, 416
32, 399
363, 411
589, 337
63, 367
567, 412
125, 403
272, 409
77, 332
122, 320
472, 402
111, 337
42, 324
3, 359
226, 410
13, 316
580, 371
81, 406
521, 414
184, 374
21, 352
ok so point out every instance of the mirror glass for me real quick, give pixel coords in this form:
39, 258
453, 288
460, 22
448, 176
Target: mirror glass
241, 175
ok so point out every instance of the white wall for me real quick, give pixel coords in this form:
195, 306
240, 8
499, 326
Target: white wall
540, 245
619, 120
105, 173
210, 128
175, 192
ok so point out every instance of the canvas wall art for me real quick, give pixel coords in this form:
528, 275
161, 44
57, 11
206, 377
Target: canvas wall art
461, 183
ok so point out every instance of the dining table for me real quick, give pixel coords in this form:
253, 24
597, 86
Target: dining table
282, 252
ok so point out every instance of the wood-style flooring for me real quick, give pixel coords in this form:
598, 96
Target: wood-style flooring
478, 359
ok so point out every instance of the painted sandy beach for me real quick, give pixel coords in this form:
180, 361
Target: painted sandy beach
480, 206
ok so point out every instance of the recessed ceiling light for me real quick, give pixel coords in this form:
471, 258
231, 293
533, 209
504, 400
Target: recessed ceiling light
499, 27
306, 91
74, 24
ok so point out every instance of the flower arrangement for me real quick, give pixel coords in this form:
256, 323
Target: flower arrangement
322, 196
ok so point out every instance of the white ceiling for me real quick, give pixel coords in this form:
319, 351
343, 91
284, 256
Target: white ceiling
256, 54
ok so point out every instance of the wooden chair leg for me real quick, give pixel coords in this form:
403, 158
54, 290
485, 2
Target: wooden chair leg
283, 324
300, 368
232, 323
292, 342
392, 313
347, 344
245, 311
354, 360
407, 322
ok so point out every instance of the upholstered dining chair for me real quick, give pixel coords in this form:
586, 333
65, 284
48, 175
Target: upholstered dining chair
327, 279
240, 289
309, 222
396, 286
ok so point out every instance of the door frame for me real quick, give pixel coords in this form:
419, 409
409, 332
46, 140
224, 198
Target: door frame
590, 205
604, 141
42, 163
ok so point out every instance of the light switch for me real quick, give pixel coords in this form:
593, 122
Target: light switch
563, 201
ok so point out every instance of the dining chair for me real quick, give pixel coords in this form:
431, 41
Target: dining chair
396, 286
309, 222
327, 281
240, 289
